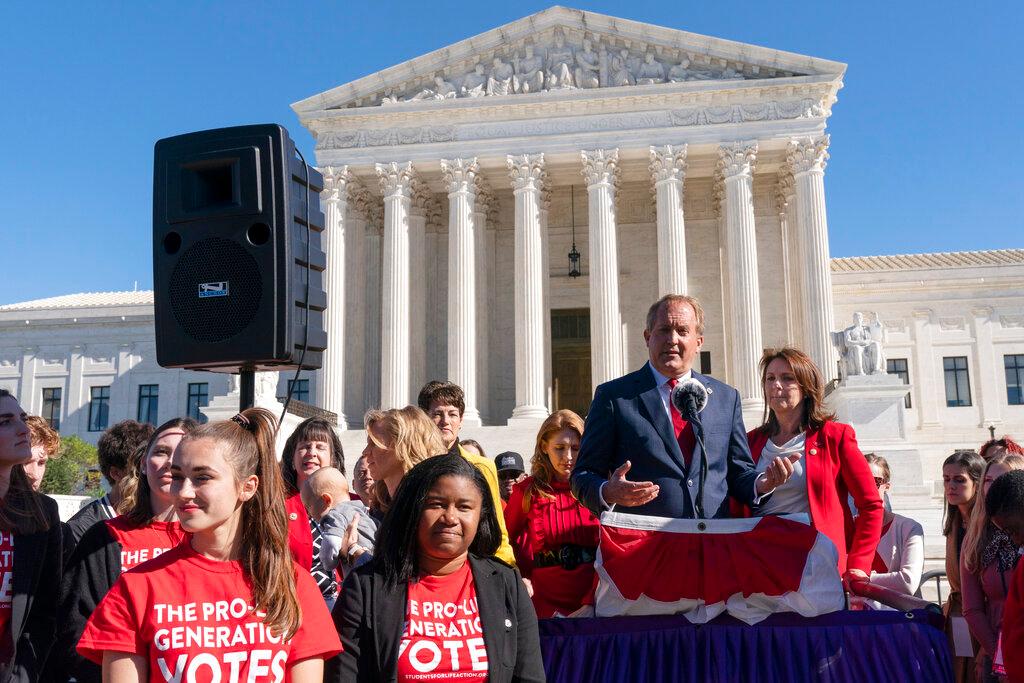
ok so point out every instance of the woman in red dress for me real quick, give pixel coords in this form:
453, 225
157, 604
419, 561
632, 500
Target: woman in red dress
554, 537
829, 467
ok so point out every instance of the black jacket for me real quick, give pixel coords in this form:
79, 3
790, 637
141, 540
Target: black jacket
84, 519
369, 617
91, 572
38, 561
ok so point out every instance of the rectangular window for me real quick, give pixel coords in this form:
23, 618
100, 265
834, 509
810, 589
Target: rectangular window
1014, 364
99, 408
149, 403
51, 407
958, 384
705, 362
898, 367
299, 389
198, 397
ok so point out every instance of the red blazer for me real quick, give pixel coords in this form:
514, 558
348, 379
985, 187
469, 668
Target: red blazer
835, 469
300, 538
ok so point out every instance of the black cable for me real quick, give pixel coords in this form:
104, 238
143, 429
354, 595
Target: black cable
305, 328
699, 505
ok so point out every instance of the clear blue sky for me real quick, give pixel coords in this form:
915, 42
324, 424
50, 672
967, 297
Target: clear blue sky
926, 136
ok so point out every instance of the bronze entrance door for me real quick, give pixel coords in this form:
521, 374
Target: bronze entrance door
570, 359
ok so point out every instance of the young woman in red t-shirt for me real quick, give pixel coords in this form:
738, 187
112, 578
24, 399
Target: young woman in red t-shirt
555, 538
148, 527
30, 554
229, 604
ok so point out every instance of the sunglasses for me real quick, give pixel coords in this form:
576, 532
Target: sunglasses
879, 481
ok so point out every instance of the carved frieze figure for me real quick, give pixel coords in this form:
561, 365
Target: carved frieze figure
500, 81
588, 67
680, 72
475, 83
442, 90
860, 347
620, 73
389, 98
529, 71
651, 71
561, 59
731, 74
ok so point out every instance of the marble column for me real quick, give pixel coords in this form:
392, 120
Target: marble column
72, 404
27, 390
928, 385
545, 242
460, 178
526, 171
989, 380
485, 205
330, 385
736, 169
423, 215
396, 182
792, 261
668, 168
599, 168
806, 159
356, 273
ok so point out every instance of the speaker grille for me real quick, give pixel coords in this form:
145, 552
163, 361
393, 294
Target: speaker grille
215, 318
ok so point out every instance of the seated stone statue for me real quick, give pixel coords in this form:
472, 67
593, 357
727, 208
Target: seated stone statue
443, 90
475, 82
651, 71
620, 73
500, 80
560, 61
588, 67
529, 72
860, 347
680, 72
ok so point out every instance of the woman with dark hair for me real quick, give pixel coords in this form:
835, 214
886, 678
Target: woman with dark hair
313, 444
1003, 446
433, 604
554, 536
225, 604
147, 527
961, 483
828, 467
30, 555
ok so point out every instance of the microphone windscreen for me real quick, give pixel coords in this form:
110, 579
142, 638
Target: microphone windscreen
689, 397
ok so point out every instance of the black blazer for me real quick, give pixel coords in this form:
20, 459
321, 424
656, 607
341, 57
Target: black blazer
369, 617
38, 560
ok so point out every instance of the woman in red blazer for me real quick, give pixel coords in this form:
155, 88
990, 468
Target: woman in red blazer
831, 467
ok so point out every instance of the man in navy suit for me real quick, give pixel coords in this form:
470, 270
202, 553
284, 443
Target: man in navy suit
632, 428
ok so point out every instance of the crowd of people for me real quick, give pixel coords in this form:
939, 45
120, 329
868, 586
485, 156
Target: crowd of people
210, 559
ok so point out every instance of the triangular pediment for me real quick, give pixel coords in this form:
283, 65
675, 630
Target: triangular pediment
561, 49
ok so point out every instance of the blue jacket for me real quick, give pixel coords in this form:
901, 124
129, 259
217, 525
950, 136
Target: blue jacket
628, 421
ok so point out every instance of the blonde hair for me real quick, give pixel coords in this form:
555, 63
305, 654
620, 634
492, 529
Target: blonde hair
541, 470
979, 528
250, 448
411, 436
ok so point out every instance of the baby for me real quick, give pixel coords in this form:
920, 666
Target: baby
325, 495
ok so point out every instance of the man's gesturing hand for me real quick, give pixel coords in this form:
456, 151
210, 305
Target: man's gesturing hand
620, 491
777, 474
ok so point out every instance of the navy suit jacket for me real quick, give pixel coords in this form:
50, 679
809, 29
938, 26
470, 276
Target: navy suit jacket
628, 421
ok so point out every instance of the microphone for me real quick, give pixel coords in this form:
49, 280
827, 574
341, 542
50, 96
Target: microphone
689, 397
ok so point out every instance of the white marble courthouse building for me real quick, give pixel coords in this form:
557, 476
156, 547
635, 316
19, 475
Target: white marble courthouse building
457, 184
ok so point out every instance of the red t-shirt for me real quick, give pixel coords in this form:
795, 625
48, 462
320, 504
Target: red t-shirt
443, 639
190, 617
141, 543
6, 580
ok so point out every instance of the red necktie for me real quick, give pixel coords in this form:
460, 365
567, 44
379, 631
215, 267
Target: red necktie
683, 429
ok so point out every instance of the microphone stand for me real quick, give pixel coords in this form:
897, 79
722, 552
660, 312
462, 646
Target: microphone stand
698, 430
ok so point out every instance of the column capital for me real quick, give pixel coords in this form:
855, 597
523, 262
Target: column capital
600, 166
807, 154
668, 163
923, 314
362, 201
982, 312
784, 189
336, 180
526, 171
545, 191
396, 179
736, 160
460, 174
486, 203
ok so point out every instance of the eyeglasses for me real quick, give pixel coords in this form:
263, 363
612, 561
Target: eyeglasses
879, 481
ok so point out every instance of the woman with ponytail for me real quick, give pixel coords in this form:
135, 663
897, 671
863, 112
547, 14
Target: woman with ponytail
230, 603
146, 528
30, 555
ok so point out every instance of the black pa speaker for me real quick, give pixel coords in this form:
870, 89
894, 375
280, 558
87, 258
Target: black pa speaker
232, 209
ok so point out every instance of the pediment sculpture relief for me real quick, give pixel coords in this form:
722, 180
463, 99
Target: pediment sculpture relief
531, 68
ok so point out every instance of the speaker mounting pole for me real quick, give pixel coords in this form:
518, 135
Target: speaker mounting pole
246, 388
